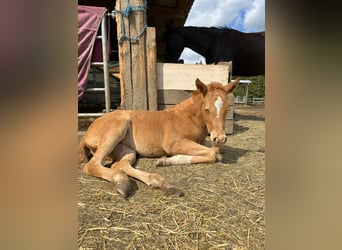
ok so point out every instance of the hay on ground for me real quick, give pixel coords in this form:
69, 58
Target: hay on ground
223, 206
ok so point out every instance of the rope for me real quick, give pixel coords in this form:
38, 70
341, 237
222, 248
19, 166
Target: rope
125, 14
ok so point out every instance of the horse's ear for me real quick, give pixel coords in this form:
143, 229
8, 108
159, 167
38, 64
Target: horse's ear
201, 87
229, 88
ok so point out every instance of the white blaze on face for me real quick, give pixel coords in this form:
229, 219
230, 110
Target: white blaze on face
218, 104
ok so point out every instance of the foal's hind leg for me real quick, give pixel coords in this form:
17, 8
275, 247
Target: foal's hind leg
123, 184
151, 179
104, 143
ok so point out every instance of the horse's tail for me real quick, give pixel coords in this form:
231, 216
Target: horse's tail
83, 152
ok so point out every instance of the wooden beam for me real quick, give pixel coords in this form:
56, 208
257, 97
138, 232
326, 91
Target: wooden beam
172, 96
185, 4
151, 60
159, 11
136, 25
124, 59
183, 76
132, 57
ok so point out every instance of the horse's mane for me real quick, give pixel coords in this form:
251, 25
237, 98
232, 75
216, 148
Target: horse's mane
215, 29
211, 86
221, 28
215, 85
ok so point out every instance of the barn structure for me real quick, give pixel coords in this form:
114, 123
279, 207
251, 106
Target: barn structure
158, 12
136, 29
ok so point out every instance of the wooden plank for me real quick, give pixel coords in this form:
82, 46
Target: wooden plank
183, 76
256, 100
162, 106
151, 61
172, 96
124, 59
230, 64
230, 114
114, 68
136, 24
229, 126
231, 100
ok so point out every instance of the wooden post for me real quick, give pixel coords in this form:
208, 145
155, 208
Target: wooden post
137, 58
137, 20
230, 64
124, 58
229, 124
151, 61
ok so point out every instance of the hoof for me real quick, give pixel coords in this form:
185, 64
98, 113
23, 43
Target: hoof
82, 161
161, 161
219, 158
169, 189
123, 188
219, 149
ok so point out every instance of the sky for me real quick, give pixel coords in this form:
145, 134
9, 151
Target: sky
242, 15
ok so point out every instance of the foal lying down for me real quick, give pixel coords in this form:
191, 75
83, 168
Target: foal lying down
176, 135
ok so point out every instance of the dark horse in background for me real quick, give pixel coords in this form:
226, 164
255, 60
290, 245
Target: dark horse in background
245, 50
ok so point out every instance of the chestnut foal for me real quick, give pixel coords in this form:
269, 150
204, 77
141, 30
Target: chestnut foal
176, 135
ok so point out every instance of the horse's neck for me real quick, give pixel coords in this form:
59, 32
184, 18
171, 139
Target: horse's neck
198, 40
191, 104
190, 109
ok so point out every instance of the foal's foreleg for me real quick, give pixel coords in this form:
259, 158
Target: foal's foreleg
186, 151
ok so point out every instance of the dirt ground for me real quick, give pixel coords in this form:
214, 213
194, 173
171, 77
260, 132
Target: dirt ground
223, 206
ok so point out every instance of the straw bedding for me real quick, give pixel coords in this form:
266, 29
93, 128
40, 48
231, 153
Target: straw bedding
223, 206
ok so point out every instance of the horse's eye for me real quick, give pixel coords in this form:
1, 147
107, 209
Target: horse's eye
207, 110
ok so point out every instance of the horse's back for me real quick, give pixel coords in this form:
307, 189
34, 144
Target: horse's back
249, 53
108, 121
104, 127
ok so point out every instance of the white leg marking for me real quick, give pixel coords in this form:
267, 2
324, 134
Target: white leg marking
179, 159
218, 104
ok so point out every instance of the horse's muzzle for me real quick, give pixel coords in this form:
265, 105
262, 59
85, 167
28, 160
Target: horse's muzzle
218, 139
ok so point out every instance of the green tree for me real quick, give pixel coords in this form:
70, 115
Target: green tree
255, 89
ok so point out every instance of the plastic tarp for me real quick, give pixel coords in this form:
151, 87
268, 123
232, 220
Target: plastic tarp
89, 20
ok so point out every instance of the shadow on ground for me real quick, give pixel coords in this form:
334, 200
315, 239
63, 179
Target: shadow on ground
238, 129
248, 117
231, 155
